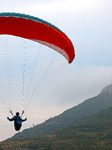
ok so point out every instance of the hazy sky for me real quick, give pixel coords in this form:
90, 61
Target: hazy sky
88, 23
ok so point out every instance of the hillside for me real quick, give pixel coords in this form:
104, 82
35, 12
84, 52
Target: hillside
75, 114
94, 132
98, 123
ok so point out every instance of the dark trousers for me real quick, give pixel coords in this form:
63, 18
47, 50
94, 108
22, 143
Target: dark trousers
17, 126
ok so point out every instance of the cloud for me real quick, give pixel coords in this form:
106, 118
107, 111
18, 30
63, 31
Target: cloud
79, 84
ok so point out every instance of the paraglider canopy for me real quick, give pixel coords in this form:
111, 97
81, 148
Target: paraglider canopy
38, 30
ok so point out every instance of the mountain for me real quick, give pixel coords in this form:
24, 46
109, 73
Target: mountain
107, 90
93, 132
80, 112
98, 123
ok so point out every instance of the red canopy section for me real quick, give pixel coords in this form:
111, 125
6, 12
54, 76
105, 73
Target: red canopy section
36, 29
